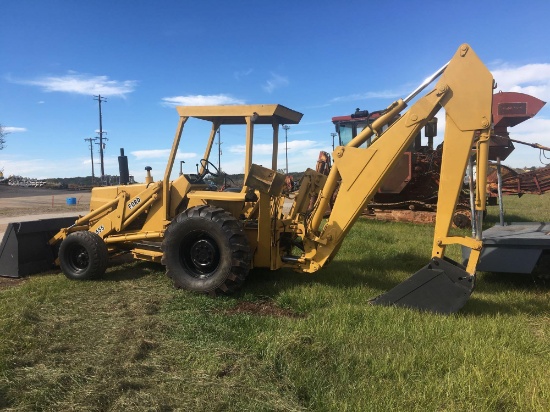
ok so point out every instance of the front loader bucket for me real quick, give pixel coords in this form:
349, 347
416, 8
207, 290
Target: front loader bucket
442, 286
25, 250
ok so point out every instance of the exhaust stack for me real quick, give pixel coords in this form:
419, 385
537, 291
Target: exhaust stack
124, 173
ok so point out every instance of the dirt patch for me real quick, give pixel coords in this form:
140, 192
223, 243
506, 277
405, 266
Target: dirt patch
6, 283
263, 308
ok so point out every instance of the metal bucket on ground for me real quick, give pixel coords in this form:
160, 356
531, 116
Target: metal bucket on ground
24, 249
442, 286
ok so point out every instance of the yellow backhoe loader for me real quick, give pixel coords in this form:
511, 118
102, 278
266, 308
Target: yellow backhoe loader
209, 240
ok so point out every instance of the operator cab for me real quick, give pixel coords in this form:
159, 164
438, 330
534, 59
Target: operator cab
348, 127
192, 189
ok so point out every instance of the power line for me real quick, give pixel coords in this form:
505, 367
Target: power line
219, 151
286, 127
101, 138
91, 140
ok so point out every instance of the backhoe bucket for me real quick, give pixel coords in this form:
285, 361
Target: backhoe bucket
442, 286
25, 250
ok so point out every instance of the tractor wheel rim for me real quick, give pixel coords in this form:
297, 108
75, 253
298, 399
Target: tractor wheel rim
80, 258
203, 253
200, 255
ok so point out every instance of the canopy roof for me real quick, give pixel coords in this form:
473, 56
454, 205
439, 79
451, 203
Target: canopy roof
266, 113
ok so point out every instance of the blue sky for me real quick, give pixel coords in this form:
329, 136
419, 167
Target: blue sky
322, 58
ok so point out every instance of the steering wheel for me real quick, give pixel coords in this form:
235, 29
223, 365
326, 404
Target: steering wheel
204, 165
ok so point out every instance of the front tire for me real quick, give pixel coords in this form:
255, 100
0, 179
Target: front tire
205, 250
83, 255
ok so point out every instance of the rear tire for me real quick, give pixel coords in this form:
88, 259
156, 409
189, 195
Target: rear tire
83, 255
205, 250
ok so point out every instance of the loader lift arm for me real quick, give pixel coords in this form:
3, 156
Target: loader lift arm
464, 90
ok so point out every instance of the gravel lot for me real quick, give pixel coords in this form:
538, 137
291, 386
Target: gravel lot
14, 198
25, 203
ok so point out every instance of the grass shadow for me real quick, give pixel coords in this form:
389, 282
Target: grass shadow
477, 307
345, 274
375, 272
529, 300
516, 281
126, 268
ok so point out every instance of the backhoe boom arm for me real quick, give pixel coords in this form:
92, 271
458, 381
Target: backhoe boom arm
464, 90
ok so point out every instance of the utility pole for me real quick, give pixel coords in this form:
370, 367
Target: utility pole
101, 183
100, 100
286, 127
333, 136
219, 151
91, 140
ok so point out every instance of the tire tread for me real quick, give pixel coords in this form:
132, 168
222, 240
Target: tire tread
233, 231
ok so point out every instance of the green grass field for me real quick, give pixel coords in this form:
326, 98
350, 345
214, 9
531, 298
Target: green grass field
287, 342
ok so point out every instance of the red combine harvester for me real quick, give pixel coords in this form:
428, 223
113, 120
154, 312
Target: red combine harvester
409, 193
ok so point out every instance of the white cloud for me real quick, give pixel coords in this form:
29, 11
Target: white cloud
533, 79
298, 132
242, 73
532, 131
160, 153
534, 126
384, 94
274, 82
232, 165
11, 129
267, 148
200, 100
315, 123
297, 161
44, 168
82, 84
301, 155
317, 106
263, 148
